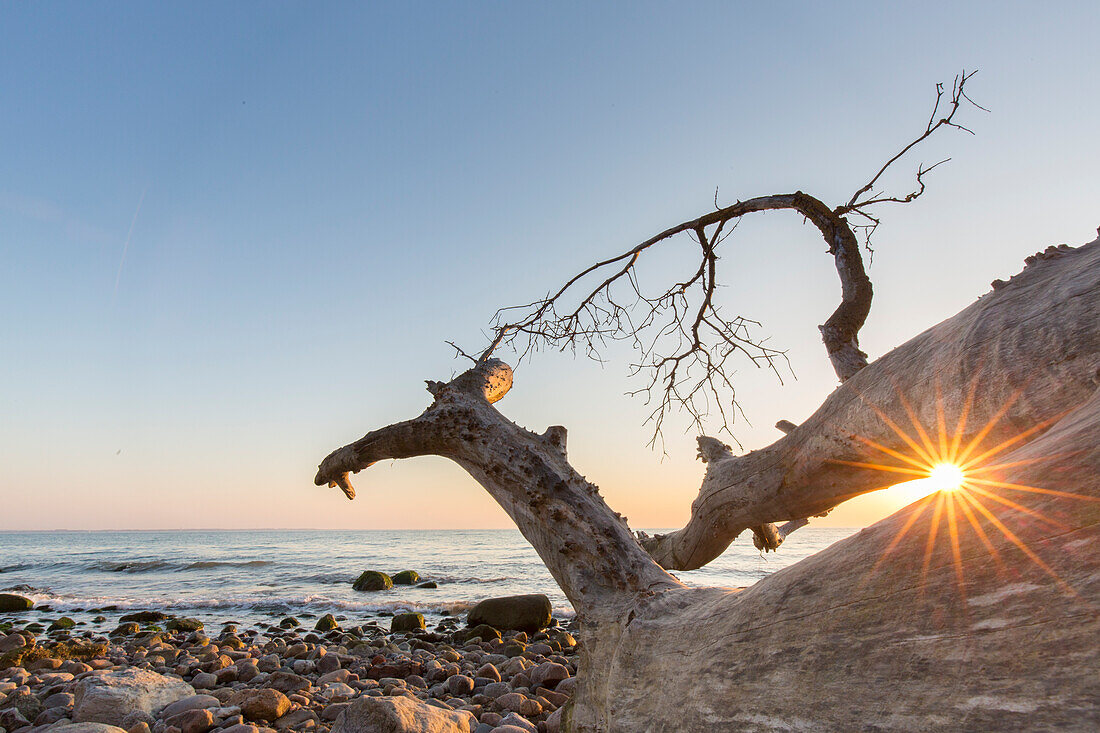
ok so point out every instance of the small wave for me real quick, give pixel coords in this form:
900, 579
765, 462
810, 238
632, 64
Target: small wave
128, 566
14, 568
24, 588
330, 578
204, 564
450, 579
145, 566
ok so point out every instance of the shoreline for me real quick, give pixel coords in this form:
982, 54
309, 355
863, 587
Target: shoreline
307, 675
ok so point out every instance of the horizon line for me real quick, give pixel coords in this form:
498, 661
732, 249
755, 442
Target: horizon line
322, 529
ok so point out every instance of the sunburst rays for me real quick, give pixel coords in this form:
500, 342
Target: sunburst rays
963, 475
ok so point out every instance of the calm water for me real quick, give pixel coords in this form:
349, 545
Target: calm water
251, 576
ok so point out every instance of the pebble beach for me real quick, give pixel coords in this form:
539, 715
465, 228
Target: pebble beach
148, 672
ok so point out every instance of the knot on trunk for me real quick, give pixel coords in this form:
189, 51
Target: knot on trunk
491, 379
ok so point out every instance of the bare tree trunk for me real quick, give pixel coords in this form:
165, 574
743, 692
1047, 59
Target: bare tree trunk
987, 628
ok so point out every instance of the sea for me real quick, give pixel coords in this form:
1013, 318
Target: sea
255, 576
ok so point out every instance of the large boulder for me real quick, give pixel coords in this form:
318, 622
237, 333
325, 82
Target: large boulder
110, 697
516, 613
86, 728
400, 715
372, 580
10, 602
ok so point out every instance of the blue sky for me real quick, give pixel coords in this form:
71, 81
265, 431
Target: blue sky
329, 191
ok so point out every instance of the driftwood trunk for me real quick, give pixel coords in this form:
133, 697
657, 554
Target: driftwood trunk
895, 628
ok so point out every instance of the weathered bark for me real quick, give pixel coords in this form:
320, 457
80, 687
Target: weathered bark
588, 548
972, 633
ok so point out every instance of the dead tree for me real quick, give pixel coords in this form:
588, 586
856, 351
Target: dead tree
949, 614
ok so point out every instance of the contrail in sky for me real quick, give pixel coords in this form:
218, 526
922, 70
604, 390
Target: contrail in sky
126, 246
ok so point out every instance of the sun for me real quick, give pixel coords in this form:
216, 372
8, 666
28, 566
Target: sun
952, 474
946, 477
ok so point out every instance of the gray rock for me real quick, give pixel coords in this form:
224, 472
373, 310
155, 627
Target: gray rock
12, 641
496, 689
459, 684
548, 674
190, 703
196, 720
287, 682
25, 702
12, 718
59, 700
332, 712
553, 722
299, 719
328, 663
400, 715
136, 719
110, 697
520, 722
204, 681
520, 613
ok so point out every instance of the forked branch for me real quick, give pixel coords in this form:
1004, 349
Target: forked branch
685, 345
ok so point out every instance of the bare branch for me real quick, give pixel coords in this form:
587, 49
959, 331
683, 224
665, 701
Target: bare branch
958, 96
685, 347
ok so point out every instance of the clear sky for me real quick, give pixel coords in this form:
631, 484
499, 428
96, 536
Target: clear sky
235, 236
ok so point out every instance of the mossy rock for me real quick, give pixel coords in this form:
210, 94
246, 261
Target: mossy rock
289, 623
10, 603
184, 624
406, 577
373, 580
405, 622
429, 584
62, 623
327, 623
127, 628
82, 651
